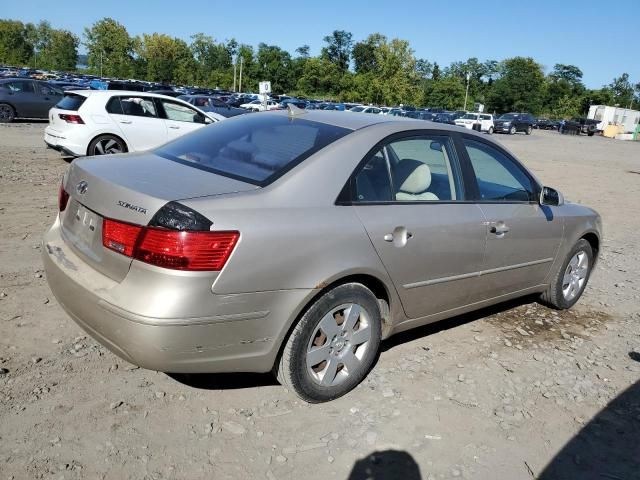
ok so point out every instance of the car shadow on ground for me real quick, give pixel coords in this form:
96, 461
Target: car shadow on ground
31, 120
386, 465
224, 381
442, 325
608, 447
233, 381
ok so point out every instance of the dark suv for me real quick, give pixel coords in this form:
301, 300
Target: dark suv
514, 122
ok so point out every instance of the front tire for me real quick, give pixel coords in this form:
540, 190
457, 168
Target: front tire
334, 344
512, 130
7, 113
106, 145
571, 279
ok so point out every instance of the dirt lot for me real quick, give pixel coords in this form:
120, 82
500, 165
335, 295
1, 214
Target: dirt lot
513, 392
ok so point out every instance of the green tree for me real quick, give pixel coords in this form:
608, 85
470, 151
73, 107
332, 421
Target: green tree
447, 93
338, 49
320, 77
62, 51
15, 47
110, 48
167, 59
273, 64
519, 88
622, 90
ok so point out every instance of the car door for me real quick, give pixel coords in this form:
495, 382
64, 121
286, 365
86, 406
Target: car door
49, 96
485, 122
522, 236
23, 96
180, 119
138, 119
410, 198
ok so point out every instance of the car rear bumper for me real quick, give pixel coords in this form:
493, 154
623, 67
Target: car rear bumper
243, 335
63, 143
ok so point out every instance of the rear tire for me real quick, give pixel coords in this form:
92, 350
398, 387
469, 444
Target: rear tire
106, 145
7, 113
529, 130
333, 346
490, 131
571, 279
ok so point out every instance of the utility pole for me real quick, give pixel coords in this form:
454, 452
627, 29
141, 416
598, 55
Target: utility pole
235, 64
100, 63
466, 95
240, 82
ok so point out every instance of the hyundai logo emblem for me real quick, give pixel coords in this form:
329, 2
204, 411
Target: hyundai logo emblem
82, 187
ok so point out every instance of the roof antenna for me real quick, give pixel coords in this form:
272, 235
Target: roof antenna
294, 111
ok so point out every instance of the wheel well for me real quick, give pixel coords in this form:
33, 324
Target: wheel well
126, 147
15, 112
376, 286
594, 241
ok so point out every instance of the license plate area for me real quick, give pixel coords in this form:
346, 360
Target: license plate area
83, 229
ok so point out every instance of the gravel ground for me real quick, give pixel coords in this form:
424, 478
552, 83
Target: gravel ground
515, 391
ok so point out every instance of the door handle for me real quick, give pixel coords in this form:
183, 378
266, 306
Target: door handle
126, 121
399, 237
499, 229
174, 127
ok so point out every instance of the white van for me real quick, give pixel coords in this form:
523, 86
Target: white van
469, 119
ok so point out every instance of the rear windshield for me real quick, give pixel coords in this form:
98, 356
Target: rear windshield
256, 148
71, 101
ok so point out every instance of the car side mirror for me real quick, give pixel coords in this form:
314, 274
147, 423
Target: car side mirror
551, 197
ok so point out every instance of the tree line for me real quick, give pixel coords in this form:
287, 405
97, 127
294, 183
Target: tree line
375, 70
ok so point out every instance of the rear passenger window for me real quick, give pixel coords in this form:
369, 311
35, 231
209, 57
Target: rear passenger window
422, 169
114, 106
373, 184
498, 177
138, 106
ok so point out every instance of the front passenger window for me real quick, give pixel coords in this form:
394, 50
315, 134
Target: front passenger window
180, 113
498, 177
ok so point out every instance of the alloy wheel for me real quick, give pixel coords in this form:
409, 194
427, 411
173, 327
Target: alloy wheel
575, 275
339, 344
108, 146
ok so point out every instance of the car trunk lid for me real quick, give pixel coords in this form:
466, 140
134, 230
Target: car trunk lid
131, 189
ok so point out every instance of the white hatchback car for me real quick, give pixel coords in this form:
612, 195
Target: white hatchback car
468, 120
98, 122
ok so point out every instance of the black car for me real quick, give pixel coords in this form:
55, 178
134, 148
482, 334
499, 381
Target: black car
546, 124
514, 122
26, 98
578, 125
212, 104
448, 117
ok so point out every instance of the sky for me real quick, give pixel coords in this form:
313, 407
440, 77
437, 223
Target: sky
596, 36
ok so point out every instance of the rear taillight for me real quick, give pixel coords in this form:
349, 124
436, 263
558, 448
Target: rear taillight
173, 249
69, 118
120, 237
199, 251
63, 198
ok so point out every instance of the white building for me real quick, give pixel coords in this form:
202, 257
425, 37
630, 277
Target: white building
626, 117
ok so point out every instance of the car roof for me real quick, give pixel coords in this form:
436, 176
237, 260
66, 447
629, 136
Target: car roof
362, 120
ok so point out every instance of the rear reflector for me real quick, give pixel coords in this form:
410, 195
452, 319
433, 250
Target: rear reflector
176, 250
69, 118
63, 198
